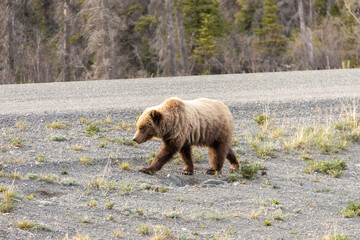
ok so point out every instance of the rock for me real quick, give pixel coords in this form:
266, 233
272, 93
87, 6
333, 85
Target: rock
46, 203
212, 182
174, 180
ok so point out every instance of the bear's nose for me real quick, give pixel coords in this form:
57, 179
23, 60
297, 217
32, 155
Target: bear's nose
134, 140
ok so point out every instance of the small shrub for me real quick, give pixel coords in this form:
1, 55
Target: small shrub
85, 219
84, 121
49, 178
333, 168
352, 210
265, 151
126, 188
198, 156
108, 204
8, 196
40, 157
57, 138
335, 236
110, 185
15, 176
125, 141
91, 130
98, 182
125, 166
77, 148
145, 186
267, 223
162, 233
56, 125
101, 144
250, 171
278, 215
233, 177
33, 176
93, 203
143, 228
140, 212
86, 160
25, 225
69, 182
162, 189
16, 142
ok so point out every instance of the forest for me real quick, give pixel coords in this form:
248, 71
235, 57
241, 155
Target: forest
78, 40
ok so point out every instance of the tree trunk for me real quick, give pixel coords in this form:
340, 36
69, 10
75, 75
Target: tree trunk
328, 8
306, 34
9, 77
171, 37
67, 21
106, 56
184, 56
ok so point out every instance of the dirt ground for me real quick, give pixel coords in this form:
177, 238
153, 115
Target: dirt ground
97, 199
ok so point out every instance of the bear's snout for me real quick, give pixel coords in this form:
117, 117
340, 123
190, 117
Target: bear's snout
134, 140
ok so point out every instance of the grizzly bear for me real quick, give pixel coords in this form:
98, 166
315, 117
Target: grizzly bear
183, 124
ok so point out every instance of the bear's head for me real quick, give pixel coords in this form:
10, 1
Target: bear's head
147, 126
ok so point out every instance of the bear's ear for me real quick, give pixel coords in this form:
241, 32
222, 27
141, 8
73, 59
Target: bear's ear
156, 116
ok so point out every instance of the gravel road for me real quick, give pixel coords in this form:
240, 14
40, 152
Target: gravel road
172, 206
140, 93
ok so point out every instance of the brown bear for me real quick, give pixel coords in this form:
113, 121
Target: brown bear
183, 124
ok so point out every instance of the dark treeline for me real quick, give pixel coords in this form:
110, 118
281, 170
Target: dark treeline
76, 40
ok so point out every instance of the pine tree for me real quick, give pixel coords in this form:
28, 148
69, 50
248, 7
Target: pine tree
270, 40
244, 18
204, 25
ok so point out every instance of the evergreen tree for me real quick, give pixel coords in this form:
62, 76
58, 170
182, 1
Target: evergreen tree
244, 18
204, 25
270, 40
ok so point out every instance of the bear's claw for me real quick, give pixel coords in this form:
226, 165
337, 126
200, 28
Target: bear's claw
185, 172
212, 171
146, 171
232, 170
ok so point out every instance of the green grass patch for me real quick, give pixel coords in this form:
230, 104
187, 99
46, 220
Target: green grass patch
333, 168
124, 141
352, 210
57, 138
250, 171
16, 141
56, 125
91, 130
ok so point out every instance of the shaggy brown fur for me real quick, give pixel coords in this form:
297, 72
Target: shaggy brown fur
183, 124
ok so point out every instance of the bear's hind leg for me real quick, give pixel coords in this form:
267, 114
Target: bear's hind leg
185, 154
217, 154
232, 160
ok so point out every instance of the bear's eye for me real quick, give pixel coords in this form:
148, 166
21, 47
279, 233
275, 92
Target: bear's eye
141, 128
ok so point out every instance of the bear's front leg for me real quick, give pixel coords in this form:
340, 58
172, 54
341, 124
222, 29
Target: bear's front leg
165, 155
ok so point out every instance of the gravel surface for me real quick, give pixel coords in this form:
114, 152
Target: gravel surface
190, 207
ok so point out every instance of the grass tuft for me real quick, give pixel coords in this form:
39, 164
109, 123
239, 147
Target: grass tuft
352, 210
56, 125
86, 160
333, 168
125, 166
143, 228
91, 130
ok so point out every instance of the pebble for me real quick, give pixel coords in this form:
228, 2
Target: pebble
212, 182
46, 203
